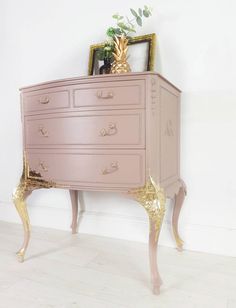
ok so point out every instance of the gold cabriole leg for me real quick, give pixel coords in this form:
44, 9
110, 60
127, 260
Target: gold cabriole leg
152, 198
178, 202
27, 184
21, 193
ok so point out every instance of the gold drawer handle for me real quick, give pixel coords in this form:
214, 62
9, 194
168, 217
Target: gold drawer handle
43, 167
113, 168
106, 96
112, 130
43, 131
44, 100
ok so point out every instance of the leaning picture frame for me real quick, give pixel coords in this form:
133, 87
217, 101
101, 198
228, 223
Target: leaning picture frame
141, 54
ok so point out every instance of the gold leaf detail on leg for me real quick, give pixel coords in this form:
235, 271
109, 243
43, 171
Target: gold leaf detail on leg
26, 186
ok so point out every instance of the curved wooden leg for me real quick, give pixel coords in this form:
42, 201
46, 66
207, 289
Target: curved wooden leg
27, 184
74, 203
152, 198
20, 194
155, 276
81, 205
178, 202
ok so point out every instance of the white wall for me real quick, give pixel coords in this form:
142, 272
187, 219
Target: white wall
44, 40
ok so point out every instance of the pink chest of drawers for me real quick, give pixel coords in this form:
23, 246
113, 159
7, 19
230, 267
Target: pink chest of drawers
105, 133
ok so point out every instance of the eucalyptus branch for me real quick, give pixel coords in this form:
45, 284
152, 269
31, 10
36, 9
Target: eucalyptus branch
125, 26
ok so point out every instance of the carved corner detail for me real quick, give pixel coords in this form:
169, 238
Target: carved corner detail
33, 180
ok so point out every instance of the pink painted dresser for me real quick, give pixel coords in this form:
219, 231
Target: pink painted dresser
105, 133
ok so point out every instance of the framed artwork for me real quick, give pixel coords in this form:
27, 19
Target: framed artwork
141, 54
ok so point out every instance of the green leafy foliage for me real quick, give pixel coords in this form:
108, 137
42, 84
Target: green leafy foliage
129, 26
145, 13
139, 21
125, 26
134, 13
118, 17
106, 51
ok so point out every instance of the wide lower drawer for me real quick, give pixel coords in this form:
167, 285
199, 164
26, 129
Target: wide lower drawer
104, 94
88, 129
45, 100
91, 169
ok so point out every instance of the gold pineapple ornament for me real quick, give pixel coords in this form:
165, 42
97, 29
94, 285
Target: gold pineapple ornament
120, 64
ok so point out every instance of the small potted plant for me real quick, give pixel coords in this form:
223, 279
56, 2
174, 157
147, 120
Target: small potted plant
106, 54
116, 47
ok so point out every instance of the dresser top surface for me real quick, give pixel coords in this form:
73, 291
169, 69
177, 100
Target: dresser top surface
93, 78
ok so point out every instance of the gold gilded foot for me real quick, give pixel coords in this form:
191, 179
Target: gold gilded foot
179, 241
21, 255
152, 198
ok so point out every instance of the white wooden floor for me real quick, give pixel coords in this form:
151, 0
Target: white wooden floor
64, 270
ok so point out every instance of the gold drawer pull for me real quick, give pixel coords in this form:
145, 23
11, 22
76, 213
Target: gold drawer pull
43, 131
113, 168
112, 130
106, 96
43, 167
44, 100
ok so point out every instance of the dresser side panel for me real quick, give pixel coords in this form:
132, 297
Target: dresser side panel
22, 111
169, 98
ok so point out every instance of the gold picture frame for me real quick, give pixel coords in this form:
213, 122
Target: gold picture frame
142, 63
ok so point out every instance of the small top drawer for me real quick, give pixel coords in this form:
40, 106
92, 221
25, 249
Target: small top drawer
126, 94
44, 100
